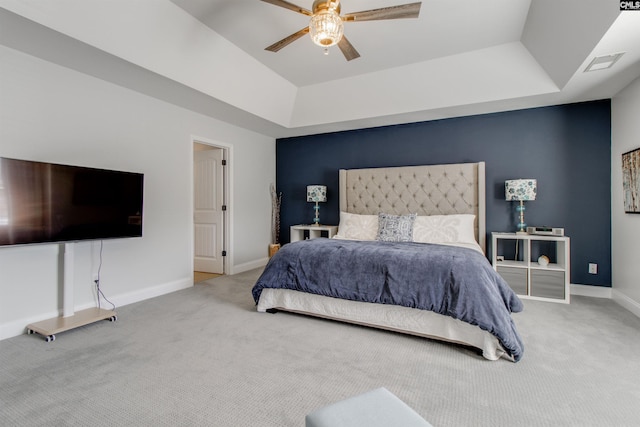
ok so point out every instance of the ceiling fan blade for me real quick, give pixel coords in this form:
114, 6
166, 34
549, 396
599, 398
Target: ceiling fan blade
290, 6
347, 49
287, 40
410, 10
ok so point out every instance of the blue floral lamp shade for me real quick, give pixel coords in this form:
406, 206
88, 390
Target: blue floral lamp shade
520, 190
316, 193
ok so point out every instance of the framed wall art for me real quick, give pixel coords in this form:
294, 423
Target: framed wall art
631, 181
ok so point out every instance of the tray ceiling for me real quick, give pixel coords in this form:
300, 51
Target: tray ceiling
458, 58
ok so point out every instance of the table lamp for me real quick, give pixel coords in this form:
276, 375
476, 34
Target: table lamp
316, 193
520, 190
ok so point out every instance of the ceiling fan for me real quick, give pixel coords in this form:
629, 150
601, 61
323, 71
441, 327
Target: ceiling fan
326, 24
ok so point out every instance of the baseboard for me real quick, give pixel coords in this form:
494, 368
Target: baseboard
626, 302
18, 327
241, 268
151, 292
590, 291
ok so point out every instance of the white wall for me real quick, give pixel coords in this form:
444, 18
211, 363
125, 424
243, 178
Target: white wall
51, 113
159, 36
625, 232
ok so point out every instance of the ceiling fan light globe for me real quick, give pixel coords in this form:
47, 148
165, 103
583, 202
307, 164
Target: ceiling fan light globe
326, 28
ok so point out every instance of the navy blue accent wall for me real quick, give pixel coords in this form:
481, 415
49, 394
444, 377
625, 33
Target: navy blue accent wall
567, 148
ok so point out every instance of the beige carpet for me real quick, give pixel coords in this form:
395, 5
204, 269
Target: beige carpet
203, 356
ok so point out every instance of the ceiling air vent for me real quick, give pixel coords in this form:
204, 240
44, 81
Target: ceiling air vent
603, 62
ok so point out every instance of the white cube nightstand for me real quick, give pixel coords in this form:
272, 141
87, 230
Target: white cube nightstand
313, 231
525, 275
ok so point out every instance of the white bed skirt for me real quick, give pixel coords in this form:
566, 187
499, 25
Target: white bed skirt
390, 317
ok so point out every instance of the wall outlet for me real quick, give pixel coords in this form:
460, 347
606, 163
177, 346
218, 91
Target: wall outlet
593, 268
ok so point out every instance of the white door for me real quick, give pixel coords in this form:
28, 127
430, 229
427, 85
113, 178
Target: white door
208, 214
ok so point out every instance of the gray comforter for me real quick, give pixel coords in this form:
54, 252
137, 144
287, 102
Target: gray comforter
452, 281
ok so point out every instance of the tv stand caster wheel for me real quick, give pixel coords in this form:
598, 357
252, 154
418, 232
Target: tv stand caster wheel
50, 338
113, 318
30, 331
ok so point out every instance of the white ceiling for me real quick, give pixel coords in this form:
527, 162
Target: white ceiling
458, 58
444, 28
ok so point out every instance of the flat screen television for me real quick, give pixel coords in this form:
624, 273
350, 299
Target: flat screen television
47, 202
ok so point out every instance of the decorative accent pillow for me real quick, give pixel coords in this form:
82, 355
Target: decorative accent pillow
444, 229
395, 228
357, 227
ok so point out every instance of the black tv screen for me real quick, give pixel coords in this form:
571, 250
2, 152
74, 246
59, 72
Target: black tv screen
46, 202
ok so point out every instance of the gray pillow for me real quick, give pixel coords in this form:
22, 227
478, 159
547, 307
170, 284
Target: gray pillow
395, 228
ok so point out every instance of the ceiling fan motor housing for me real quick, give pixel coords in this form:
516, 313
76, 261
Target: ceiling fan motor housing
320, 5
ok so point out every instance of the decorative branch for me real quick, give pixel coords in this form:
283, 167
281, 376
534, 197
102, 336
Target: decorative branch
276, 200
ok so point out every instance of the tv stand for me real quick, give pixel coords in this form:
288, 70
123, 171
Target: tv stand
69, 319
50, 327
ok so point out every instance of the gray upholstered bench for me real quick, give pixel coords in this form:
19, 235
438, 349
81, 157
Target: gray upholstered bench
376, 408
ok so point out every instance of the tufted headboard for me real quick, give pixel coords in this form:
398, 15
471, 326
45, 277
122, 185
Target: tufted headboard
423, 190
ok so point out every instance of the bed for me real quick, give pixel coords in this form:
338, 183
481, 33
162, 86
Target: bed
428, 277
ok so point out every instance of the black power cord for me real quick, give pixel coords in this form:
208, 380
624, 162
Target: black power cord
99, 292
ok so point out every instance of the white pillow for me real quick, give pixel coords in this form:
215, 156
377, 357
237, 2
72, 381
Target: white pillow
357, 227
444, 229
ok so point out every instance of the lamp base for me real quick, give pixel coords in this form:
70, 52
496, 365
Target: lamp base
316, 220
522, 226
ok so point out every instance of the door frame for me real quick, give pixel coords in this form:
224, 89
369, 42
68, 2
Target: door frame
227, 197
